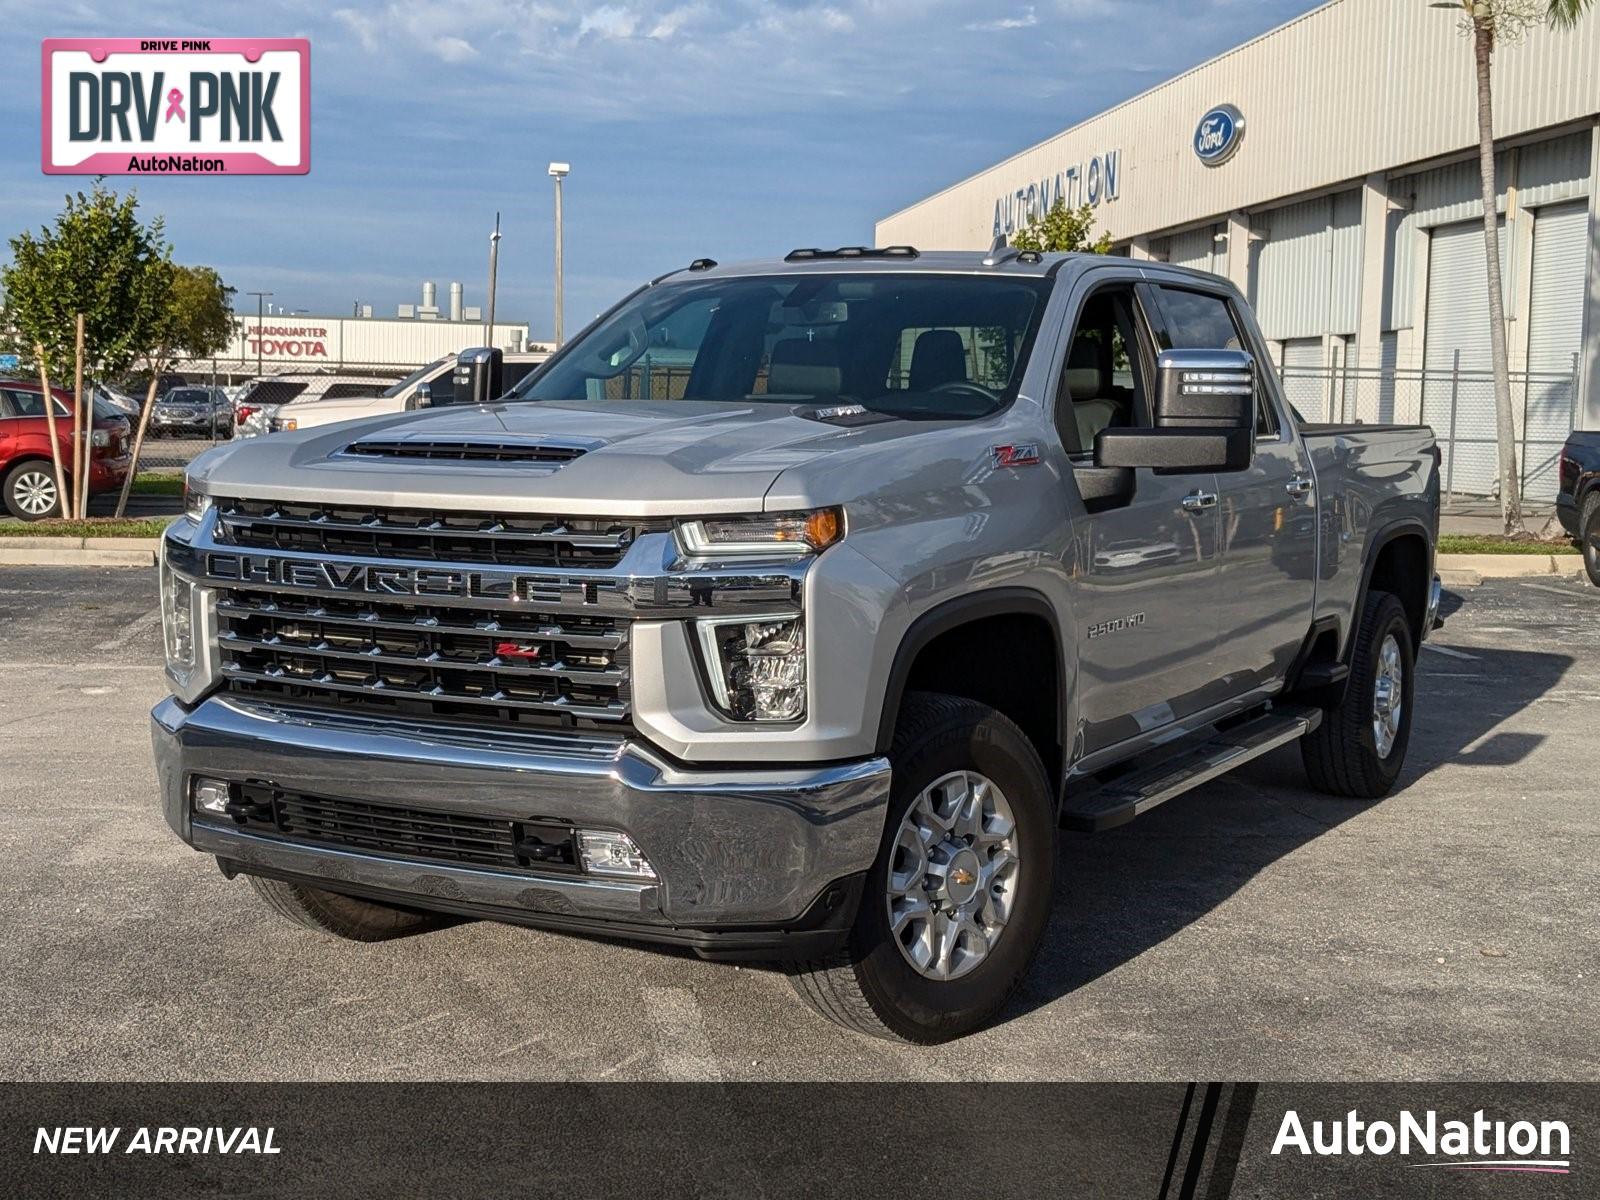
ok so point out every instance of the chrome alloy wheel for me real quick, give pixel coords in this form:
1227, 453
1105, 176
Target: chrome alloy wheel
35, 493
1388, 696
953, 875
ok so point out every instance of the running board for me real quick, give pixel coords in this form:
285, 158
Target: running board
1122, 799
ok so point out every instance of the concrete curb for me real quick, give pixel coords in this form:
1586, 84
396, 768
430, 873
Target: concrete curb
78, 552
1469, 570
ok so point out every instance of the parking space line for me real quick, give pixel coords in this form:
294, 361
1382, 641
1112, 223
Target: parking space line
1449, 652
681, 1042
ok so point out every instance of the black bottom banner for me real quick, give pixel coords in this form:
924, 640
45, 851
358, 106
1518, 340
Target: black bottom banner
970, 1141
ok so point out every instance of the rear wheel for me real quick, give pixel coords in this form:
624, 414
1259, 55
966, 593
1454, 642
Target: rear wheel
1589, 536
1360, 746
31, 493
343, 916
955, 907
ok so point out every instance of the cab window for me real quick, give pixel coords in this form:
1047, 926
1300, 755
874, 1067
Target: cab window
1102, 384
1206, 321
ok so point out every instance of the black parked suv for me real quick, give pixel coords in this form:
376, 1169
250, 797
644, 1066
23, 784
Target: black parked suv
1578, 501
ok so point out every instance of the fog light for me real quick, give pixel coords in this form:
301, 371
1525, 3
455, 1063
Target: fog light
606, 852
212, 795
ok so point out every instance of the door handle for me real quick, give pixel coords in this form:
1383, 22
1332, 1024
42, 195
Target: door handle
1299, 486
1199, 501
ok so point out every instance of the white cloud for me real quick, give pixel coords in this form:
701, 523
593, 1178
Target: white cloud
1026, 19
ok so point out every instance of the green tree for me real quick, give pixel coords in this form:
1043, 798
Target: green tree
99, 259
196, 321
1062, 228
1491, 23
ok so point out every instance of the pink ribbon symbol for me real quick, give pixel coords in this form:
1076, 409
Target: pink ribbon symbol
175, 106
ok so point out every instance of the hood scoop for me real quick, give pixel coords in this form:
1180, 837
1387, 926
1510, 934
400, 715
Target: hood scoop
847, 416
456, 450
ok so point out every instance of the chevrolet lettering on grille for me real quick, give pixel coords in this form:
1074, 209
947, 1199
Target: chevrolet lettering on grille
395, 580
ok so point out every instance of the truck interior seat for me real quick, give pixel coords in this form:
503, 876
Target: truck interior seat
1094, 407
800, 367
938, 357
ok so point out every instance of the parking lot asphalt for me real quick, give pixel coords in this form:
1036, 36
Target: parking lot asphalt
1252, 929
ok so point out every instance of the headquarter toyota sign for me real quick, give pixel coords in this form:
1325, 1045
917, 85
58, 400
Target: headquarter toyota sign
151, 106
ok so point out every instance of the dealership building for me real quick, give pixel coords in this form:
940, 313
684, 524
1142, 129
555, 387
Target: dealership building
1329, 169
359, 342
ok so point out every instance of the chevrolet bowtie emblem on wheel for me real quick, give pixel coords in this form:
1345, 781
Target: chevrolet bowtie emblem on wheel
962, 877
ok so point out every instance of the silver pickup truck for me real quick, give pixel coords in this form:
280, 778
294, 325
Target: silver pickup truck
787, 613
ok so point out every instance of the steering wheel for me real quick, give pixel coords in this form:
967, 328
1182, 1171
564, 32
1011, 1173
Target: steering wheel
990, 397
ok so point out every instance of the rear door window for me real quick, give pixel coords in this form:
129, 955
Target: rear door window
1206, 321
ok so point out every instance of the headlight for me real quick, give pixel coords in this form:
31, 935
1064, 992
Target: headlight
177, 622
767, 535
100, 438
756, 666
195, 503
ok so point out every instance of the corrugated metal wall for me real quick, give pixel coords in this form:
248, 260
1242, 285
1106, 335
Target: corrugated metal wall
1305, 277
1351, 88
1196, 248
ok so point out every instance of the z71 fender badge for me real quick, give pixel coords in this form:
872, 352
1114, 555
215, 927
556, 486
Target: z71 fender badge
1024, 455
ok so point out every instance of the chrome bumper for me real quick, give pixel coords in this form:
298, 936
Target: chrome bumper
1430, 620
746, 859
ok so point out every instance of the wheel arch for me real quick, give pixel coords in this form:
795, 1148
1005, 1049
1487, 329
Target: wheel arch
1399, 560
985, 616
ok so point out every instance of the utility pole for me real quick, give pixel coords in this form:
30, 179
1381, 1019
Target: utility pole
494, 267
261, 308
558, 172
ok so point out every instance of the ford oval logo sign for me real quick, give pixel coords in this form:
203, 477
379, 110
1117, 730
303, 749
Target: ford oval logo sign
1218, 135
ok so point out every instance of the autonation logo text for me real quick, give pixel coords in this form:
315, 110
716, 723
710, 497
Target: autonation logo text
1476, 1145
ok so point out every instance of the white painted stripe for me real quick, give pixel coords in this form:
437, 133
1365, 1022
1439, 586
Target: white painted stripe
1445, 650
680, 1035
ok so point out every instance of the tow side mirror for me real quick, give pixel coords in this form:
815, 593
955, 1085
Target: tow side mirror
421, 396
479, 375
1205, 417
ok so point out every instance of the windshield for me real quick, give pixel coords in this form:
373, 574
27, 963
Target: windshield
910, 345
186, 396
419, 373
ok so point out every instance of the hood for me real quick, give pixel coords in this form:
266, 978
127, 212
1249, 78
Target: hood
632, 459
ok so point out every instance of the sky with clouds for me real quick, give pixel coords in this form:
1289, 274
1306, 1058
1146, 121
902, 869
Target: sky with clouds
731, 129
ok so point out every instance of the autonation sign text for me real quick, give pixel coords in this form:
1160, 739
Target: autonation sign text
1083, 183
180, 106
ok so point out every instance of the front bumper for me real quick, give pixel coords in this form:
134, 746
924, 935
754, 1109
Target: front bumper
1567, 512
750, 862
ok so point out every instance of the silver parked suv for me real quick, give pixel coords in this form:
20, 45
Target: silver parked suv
787, 613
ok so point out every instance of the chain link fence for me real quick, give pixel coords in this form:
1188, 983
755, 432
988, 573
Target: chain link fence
1459, 405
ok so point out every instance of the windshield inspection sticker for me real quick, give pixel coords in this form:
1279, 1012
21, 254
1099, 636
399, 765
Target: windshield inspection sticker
151, 106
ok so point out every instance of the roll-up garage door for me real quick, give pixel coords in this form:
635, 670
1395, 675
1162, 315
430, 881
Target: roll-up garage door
1197, 249
1458, 321
1305, 382
1555, 334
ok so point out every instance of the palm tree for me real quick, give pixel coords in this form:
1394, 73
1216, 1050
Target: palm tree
1491, 22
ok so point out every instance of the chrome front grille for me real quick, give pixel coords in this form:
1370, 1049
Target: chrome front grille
434, 661
427, 535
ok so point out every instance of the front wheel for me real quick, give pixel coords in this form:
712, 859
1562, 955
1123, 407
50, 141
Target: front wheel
31, 493
1359, 748
955, 907
342, 916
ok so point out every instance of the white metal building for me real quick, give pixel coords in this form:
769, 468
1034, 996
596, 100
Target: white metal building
1341, 195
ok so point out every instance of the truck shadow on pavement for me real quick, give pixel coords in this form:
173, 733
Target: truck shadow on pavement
1123, 892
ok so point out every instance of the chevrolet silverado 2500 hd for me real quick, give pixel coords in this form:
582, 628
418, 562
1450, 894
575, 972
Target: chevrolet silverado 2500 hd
788, 612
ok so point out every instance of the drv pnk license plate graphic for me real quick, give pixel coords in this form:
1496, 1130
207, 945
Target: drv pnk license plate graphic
176, 106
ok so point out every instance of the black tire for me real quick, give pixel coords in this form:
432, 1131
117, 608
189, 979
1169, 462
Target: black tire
869, 986
1341, 755
1589, 536
21, 483
343, 916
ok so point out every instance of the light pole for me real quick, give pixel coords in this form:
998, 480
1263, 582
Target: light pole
494, 268
261, 309
558, 172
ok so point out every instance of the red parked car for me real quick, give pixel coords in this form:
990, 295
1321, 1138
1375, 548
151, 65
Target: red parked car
27, 476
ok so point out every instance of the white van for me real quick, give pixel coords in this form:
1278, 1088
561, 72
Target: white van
432, 383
